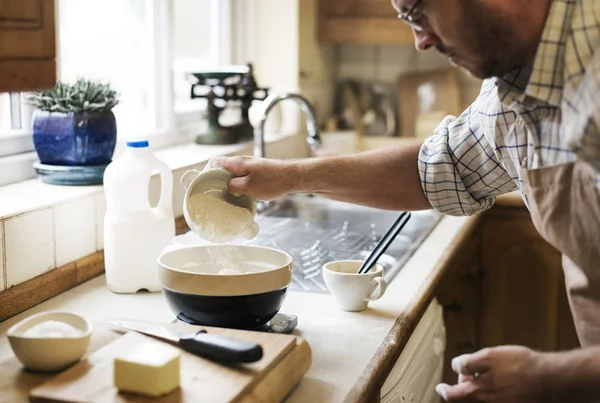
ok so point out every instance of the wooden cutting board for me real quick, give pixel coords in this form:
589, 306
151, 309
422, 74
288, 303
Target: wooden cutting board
286, 359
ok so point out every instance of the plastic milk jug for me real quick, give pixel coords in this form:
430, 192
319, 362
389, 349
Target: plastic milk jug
135, 232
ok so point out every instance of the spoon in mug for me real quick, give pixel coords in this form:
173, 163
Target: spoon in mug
384, 243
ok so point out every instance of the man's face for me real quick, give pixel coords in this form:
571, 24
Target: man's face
476, 35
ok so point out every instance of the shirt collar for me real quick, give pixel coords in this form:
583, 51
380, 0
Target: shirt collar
511, 87
543, 82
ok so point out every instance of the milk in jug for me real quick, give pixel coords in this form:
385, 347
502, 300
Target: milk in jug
135, 233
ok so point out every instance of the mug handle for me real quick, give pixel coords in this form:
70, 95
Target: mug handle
188, 177
380, 287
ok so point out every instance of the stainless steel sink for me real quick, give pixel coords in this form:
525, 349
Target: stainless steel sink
315, 230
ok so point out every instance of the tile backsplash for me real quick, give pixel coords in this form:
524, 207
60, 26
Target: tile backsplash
2, 267
378, 63
75, 229
100, 207
29, 240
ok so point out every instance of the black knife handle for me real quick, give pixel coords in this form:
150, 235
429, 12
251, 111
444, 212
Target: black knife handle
221, 348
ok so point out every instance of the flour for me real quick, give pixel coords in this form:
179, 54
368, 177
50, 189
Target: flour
229, 271
216, 220
52, 328
219, 222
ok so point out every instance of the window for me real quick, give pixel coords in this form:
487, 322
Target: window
114, 41
144, 48
14, 123
192, 38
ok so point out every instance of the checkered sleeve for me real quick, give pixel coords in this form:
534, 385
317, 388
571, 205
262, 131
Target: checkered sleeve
460, 171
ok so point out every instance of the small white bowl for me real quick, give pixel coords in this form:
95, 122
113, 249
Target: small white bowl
49, 354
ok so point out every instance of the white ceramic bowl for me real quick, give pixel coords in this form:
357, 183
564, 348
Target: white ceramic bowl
198, 294
214, 182
49, 354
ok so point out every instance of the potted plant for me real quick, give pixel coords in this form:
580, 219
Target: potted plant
74, 126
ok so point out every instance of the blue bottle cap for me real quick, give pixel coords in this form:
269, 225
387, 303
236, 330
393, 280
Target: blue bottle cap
137, 143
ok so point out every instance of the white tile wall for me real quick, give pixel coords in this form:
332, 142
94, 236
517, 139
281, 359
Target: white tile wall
386, 63
100, 211
29, 240
75, 229
2, 266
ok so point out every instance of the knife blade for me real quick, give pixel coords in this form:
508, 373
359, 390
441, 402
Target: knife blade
207, 345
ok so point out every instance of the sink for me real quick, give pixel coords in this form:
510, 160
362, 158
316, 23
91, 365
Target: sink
315, 230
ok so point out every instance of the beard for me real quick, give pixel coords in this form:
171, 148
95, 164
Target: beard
488, 44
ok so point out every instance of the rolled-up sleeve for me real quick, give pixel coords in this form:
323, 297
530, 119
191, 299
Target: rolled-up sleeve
460, 172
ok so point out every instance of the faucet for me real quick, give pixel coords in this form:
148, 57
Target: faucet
313, 139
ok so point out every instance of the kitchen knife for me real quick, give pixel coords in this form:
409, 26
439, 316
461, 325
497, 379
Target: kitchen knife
203, 344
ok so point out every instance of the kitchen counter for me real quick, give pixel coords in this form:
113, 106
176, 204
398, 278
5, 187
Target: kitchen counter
352, 352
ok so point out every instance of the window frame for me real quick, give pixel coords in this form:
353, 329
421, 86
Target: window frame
16, 147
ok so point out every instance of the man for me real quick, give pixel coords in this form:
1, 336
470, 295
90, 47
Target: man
535, 127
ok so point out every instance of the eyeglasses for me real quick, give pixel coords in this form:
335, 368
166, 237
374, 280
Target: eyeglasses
413, 16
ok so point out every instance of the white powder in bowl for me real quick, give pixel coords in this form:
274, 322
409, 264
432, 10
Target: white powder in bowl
229, 271
52, 328
216, 219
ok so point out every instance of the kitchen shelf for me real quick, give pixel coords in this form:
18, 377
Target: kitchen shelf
372, 22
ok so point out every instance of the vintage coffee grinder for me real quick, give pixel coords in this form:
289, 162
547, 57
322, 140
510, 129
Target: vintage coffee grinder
235, 85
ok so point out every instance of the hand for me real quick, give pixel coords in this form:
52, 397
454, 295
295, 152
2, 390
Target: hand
509, 374
259, 178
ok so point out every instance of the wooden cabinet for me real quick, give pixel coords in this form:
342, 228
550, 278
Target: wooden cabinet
505, 287
361, 22
27, 45
458, 293
523, 296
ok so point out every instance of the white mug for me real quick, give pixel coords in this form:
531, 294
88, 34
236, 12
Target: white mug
353, 291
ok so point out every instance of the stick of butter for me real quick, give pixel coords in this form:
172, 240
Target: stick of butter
149, 368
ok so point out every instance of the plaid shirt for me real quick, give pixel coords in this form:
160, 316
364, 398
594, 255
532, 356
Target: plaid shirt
530, 118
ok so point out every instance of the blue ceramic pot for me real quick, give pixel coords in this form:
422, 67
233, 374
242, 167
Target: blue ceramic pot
74, 139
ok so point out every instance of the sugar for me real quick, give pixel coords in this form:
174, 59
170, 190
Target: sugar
52, 328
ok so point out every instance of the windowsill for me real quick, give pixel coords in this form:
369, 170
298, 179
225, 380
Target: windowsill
30, 195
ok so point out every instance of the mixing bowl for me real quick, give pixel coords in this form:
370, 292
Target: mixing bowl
247, 296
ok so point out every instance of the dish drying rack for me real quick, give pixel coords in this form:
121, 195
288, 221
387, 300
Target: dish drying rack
311, 246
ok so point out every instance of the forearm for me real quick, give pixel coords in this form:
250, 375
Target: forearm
572, 376
386, 179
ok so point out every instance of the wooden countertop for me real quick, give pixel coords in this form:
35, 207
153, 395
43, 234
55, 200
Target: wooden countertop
349, 363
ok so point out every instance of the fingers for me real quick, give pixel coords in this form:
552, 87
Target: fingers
442, 390
460, 393
465, 392
238, 186
471, 364
464, 378
238, 166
